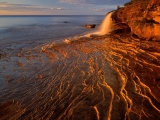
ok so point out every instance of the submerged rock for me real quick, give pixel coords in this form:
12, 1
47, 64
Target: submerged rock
66, 22
90, 25
2, 55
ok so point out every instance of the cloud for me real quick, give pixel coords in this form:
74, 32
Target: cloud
59, 8
26, 7
22, 7
79, 7
16, 5
95, 2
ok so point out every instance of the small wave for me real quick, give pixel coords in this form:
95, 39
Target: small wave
65, 41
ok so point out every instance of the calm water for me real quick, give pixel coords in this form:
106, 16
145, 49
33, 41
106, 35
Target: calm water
43, 28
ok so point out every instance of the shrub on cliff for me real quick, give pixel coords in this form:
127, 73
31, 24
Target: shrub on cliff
131, 2
128, 3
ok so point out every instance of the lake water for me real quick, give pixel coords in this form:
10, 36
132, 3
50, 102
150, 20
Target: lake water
43, 28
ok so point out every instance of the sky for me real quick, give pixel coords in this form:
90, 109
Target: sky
58, 7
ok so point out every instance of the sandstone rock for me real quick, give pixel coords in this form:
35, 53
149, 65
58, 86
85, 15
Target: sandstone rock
146, 30
152, 15
143, 21
157, 19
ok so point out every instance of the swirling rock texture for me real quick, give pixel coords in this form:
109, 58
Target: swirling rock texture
143, 18
102, 78
114, 77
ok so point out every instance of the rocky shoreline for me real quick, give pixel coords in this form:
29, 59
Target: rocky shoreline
110, 77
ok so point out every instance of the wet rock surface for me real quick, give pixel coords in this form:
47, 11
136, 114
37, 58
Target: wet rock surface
107, 77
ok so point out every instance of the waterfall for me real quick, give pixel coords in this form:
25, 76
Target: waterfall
105, 27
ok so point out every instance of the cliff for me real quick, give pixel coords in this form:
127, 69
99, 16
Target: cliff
140, 18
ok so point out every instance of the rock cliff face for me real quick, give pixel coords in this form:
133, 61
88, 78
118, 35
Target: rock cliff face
142, 17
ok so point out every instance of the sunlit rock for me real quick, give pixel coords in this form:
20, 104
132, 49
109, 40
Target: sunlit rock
142, 17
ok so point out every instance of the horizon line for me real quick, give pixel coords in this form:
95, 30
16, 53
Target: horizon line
41, 15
